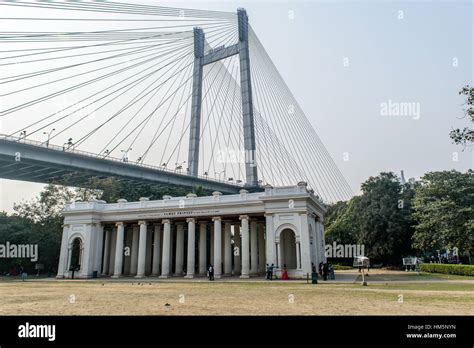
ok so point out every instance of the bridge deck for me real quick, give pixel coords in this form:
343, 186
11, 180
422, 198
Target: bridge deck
28, 160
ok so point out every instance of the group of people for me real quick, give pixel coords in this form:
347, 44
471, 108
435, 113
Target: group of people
326, 270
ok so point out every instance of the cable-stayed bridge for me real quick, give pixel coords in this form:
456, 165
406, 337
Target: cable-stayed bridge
150, 94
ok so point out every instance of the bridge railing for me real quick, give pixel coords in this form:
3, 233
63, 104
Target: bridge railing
71, 149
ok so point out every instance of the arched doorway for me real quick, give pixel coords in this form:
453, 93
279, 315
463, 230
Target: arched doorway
76, 254
288, 249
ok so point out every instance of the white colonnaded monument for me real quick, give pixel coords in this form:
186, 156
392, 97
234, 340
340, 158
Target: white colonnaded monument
180, 236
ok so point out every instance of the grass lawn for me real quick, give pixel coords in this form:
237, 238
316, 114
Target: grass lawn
104, 297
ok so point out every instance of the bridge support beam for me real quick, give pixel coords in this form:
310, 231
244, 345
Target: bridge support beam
242, 49
195, 126
247, 102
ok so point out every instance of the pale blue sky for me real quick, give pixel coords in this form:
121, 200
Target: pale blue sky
403, 60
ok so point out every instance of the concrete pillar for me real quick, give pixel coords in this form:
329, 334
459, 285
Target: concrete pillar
227, 249
298, 256
217, 247
270, 252
99, 239
119, 251
245, 272
237, 252
279, 255
134, 253
105, 264
142, 250
179, 249
156, 250
63, 257
211, 241
261, 249
202, 247
165, 264
191, 248
253, 247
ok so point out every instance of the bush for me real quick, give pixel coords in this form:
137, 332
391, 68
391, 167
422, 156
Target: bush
466, 270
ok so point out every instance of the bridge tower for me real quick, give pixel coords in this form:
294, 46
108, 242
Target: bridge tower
200, 60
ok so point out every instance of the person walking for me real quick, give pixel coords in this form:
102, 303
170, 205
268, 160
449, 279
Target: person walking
211, 272
272, 267
325, 271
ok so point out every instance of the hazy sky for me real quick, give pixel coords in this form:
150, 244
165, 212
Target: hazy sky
345, 61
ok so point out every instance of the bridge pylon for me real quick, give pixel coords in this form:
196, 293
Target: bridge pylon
200, 60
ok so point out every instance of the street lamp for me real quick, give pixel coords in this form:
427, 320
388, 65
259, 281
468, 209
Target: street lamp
125, 155
179, 166
219, 173
69, 143
49, 135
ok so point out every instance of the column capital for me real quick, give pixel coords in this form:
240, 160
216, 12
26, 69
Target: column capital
191, 220
65, 225
217, 218
243, 217
166, 221
268, 214
142, 222
117, 224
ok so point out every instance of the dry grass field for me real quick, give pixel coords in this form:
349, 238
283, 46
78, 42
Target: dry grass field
127, 297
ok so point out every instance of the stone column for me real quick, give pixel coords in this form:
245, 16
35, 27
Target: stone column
142, 250
69, 258
105, 263
211, 241
191, 248
298, 257
179, 248
253, 247
261, 249
279, 255
63, 253
165, 264
156, 250
119, 251
217, 247
227, 249
245, 247
134, 253
238, 245
202, 247
270, 253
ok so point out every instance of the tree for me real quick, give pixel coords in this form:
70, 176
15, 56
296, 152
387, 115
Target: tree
339, 223
444, 212
383, 218
465, 136
380, 219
